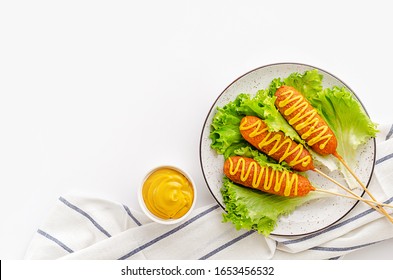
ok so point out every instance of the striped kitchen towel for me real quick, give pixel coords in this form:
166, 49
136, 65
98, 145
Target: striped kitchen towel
89, 228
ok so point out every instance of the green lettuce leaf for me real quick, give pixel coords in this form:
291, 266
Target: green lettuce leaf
346, 117
309, 83
255, 210
224, 129
350, 123
272, 117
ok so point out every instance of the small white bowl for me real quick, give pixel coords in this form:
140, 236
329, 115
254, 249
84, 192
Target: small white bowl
154, 217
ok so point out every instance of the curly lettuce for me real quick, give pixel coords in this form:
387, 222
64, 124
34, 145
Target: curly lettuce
308, 83
254, 210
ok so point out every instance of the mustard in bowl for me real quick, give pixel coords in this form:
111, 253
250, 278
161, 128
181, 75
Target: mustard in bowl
167, 195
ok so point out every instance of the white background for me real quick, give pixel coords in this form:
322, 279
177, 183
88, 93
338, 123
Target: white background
93, 94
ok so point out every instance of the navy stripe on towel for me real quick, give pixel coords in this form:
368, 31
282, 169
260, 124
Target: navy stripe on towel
342, 249
57, 241
385, 158
131, 216
80, 211
169, 233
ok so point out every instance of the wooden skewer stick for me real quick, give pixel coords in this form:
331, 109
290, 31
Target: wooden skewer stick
355, 176
379, 209
353, 197
375, 204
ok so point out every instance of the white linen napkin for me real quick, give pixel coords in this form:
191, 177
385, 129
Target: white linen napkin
90, 228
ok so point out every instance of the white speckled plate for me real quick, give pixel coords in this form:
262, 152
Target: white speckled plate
316, 214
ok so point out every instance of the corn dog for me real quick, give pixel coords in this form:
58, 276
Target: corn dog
249, 173
305, 120
275, 144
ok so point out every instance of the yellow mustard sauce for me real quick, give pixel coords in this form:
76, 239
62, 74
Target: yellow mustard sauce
290, 182
279, 143
167, 193
305, 119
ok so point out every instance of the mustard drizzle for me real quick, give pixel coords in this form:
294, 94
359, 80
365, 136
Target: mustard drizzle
305, 119
290, 182
279, 143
